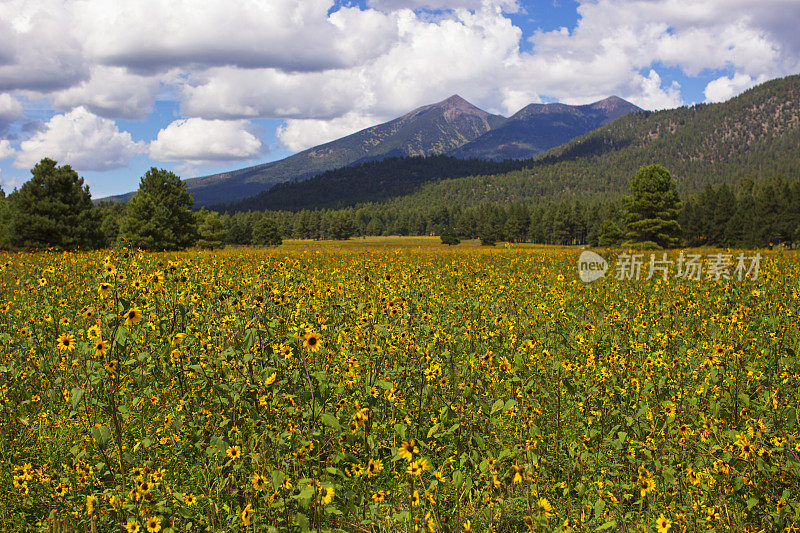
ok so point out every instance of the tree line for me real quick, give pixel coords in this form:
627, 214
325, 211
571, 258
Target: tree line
54, 210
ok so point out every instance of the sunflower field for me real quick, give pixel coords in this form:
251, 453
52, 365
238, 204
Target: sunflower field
393, 388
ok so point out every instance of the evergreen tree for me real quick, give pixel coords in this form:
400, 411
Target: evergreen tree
210, 229
519, 218
110, 214
338, 226
53, 208
449, 236
159, 216
265, 232
652, 207
5, 220
610, 234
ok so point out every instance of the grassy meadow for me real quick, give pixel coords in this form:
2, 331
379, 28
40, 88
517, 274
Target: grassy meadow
393, 384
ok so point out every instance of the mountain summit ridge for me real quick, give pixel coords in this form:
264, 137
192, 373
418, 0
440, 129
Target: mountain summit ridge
449, 126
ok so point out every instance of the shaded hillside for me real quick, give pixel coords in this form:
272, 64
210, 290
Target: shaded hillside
539, 127
756, 133
367, 182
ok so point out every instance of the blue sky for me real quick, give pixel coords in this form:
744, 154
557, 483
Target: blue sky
113, 88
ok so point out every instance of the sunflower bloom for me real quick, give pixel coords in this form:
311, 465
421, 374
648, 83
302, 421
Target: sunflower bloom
326, 494
247, 514
234, 452
132, 316
311, 342
153, 524
374, 467
662, 524
66, 343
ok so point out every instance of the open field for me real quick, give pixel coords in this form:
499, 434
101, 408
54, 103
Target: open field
394, 384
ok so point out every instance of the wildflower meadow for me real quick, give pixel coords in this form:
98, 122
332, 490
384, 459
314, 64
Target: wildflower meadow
393, 388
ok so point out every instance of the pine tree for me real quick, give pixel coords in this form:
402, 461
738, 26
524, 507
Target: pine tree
449, 236
53, 208
5, 220
159, 216
210, 229
652, 208
265, 232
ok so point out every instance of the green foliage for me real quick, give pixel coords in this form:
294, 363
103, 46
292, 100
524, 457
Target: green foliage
159, 216
265, 232
110, 214
488, 236
375, 181
210, 229
5, 219
652, 207
338, 225
610, 234
53, 209
760, 214
449, 237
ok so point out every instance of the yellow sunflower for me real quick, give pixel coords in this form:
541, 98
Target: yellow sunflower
132, 316
66, 343
311, 342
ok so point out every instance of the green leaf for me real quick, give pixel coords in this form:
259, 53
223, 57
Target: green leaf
249, 339
277, 478
331, 421
75, 396
497, 405
302, 522
599, 507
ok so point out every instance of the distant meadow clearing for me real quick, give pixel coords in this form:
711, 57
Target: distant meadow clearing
394, 384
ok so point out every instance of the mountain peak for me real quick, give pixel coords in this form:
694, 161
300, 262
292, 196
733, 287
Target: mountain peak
614, 102
454, 100
455, 108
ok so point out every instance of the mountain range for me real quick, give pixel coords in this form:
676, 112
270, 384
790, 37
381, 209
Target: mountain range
755, 134
452, 127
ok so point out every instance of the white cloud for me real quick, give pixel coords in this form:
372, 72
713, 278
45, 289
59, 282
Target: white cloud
80, 139
10, 108
331, 73
649, 93
231, 93
200, 141
111, 92
509, 6
6, 150
39, 49
299, 134
724, 88
10, 111
296, 36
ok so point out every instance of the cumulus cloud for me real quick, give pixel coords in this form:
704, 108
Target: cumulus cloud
201, 141
80, 139
6, 150
10, 111
111, 92
294, 36
463, 53
509, 6
39, 50
331, 70
299, 134
232, 93
725, 87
